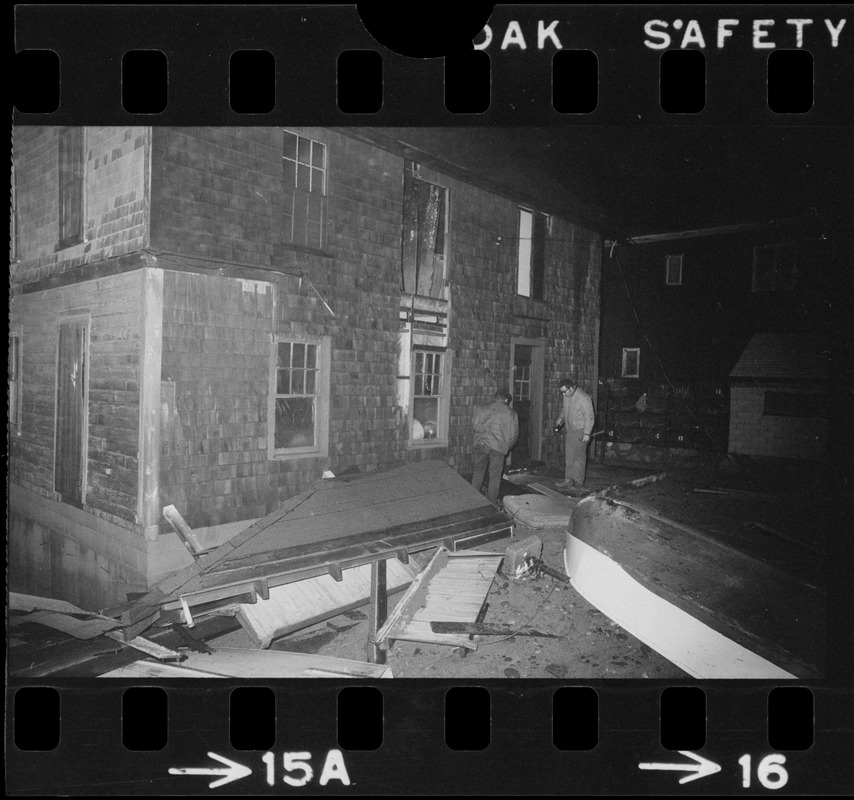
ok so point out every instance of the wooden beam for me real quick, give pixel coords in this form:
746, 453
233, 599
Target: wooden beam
184, 531
402, 555
378, 612
148, 493
335, 571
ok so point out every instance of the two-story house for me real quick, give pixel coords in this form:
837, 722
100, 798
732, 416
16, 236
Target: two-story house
214, 317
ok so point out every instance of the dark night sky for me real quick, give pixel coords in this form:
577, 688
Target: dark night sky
652, 179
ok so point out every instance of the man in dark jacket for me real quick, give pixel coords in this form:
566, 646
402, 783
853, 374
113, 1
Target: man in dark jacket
496, 428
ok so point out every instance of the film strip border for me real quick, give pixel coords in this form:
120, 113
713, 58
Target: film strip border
535, 739
540, 65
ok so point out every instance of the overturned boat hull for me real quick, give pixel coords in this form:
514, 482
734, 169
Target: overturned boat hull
711, 609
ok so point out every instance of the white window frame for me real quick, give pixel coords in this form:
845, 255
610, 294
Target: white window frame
15, 381
670, 262
627, 352
525, 252
443, 395
322, 398
291, 184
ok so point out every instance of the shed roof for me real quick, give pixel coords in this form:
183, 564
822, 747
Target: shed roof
787, 356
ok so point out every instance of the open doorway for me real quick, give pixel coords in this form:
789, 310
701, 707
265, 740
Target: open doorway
527, 357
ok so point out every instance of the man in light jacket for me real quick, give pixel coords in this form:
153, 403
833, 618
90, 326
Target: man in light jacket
576, 418
496, 428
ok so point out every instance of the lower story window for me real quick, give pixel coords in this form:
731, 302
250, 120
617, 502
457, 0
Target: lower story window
429, 395
300, 398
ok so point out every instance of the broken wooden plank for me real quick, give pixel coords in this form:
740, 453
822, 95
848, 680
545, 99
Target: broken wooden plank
146, 646
378, 612
88, 628
382, 633
297, 605
635, 484
185, 532
231, 662
433, 595
482, 629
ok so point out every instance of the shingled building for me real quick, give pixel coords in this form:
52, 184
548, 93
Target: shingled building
213, 317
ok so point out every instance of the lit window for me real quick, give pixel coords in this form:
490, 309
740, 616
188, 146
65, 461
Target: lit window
304, 166
530, 277
14, 382
774, 267
425, 223
430, 397
300, 398
631, 362
70, 186
674, 270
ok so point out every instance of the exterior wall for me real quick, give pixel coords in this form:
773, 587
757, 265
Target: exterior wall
215, 373
217, 204
56, 550
115, 198
113, 307
752, 433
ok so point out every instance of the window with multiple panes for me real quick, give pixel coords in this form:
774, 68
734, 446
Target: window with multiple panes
530, 276
673, 270
14, 382
425, 223
429, 394
631, 362
71, 144
300, 397
304, 165
775, 267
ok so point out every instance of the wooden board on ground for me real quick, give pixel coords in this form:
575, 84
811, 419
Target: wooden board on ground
538, 511
241, 663
293, 606
452, 587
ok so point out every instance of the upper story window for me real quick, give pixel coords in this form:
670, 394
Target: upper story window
425, 228
304, 167
299, 413
71, 159
673, 273
530, 277
775, 267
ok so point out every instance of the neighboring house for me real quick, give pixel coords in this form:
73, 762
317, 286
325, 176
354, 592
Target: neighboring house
779, 399
213, 317
678, 310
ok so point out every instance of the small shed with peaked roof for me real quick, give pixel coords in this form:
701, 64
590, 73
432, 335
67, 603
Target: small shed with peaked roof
778, 399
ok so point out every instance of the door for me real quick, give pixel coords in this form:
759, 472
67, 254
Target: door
70, 446
527, 390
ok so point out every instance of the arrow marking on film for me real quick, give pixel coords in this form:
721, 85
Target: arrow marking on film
701, 769
232, 771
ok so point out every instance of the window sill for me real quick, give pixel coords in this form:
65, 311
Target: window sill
425, 444
294, 455
66, 243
